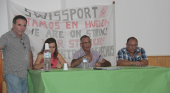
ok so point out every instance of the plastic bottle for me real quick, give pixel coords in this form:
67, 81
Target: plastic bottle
84, 63
47, 58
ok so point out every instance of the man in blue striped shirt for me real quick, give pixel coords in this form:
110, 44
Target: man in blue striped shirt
94, 59
132, 54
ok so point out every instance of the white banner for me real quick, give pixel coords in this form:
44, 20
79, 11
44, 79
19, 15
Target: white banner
67, 26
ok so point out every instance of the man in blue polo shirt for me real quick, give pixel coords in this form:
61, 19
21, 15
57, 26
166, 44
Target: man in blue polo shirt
132, 54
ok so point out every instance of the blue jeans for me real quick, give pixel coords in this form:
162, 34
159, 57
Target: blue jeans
16, 84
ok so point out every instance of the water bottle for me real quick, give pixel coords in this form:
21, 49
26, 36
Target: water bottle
47, 58
84, 63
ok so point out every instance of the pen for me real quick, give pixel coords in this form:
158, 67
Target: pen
96, 62
98, 59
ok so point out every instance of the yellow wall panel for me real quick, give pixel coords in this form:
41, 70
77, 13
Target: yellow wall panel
162, 61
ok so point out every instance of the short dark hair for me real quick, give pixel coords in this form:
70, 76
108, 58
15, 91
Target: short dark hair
84, 36
132, 38
19, 17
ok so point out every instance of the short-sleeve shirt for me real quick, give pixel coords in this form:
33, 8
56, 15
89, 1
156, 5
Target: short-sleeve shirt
95, 57
138, 56
15, 53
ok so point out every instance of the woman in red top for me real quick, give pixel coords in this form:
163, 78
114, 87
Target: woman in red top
55, 55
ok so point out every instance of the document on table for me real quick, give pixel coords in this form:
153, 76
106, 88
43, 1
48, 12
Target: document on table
42, 70
106, 68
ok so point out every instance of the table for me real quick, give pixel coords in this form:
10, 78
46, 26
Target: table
76, 80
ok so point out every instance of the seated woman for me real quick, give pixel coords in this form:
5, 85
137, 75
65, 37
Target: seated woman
54, 54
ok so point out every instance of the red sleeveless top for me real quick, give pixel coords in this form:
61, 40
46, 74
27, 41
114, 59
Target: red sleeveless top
53, 62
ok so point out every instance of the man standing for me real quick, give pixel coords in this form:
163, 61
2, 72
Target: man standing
17, 56
132, 54
94, 59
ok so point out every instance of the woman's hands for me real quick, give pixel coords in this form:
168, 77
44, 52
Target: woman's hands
59, 65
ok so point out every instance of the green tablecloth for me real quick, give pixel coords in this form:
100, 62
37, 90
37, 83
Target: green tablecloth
125, 80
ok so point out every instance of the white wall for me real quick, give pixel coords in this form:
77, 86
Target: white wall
147, 20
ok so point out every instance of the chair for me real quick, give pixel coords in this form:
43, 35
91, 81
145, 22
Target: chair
3, 88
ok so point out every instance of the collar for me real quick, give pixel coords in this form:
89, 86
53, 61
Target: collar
137, 50
82, 51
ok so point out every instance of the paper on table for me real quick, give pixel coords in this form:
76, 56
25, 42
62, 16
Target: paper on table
42, 70
106, 68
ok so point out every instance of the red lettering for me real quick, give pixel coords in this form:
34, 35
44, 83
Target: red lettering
60, 43
28, 21
71, 43
74, 24
94, 42
102, 24
102, 40
68, 25
98, 41
86, 24
56, 24
51, 25
96, 23
42, 23
34, 22
77, 42
91, 24
106, 22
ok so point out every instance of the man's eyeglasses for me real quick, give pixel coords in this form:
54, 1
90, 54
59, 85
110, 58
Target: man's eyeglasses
132, 45
23, 43
89, 42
